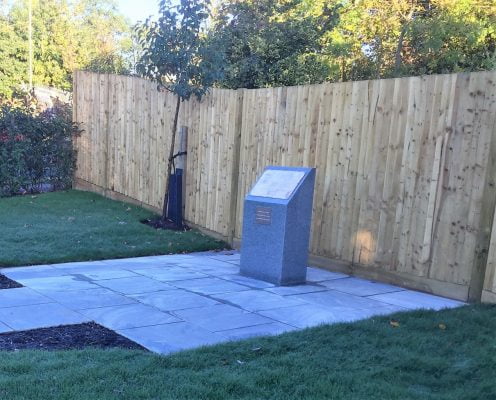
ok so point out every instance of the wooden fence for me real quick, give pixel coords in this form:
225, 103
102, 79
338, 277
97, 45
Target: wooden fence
405, 189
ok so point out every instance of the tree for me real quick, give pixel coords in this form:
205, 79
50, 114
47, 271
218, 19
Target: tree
271, 43
12, 57
180, 58
87, 34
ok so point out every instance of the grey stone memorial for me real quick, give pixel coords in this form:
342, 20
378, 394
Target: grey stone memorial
276, 225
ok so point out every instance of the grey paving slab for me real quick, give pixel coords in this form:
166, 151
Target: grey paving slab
132, 260
274, 328
4, 328
256, 300
296, 289
39, 316
210, 286
174, 300
172, 338
360, 287
103, 273
59, 283
221, 317
319, 275
134, 285
416, 300
129, 316
169, 274
244, 280
80, 264
308, 315
21, 297
90, 298
32, 272
333, 298
230, 258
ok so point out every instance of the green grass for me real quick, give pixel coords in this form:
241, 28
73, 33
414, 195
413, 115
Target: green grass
365, 360
79, 226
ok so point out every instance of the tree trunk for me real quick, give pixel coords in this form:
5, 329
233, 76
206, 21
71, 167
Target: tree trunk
398, 60
169, 164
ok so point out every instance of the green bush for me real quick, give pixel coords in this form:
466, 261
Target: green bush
36, 151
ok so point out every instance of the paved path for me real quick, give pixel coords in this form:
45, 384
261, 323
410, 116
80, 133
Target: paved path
171, 303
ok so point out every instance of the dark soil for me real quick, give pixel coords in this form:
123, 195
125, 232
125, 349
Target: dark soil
66, 337
159, 223
6, 283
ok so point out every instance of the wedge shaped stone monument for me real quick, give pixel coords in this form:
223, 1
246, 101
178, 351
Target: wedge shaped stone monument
276, 225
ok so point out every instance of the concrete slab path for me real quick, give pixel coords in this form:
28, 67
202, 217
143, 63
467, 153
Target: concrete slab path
177, 302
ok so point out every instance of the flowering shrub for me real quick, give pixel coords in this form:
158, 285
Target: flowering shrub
36, 151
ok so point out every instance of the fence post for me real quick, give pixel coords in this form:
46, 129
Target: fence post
181, 161
235, 167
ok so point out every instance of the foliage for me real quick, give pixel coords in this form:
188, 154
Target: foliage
72, 225
12, 62
288, 42
176, 53
265, 47
35, 149
86, 34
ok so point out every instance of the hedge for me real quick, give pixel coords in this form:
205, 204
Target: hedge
36, 151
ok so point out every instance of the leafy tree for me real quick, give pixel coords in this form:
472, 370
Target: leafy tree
87, 34
12, 60
269, 44
178, 55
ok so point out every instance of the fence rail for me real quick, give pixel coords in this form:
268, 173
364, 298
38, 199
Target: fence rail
405, 189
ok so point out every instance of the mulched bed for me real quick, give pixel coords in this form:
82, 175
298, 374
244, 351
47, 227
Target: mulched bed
159, 223
6, 283
66, 337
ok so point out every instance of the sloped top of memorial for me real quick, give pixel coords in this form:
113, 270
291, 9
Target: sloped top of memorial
279, 183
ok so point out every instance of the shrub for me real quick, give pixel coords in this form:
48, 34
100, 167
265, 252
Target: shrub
36, 151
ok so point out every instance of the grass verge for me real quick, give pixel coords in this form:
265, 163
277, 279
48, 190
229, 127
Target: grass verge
80, 226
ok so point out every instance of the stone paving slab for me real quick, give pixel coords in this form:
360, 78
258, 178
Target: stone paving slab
41, 271
89, 298
172, 300
170, 338
171, 303
333, 298
297, 289
57, 283
104, 274
4, 328
128, 316
274, 328
210, 286
21, 297
319, 275
415, 300
308, 315
244, 280
39, 316
135, 285
257, 300
360, 287
169, 274
221, 317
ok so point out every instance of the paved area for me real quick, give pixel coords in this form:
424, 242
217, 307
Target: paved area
176, 302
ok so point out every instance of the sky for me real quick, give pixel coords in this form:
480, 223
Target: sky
137, 10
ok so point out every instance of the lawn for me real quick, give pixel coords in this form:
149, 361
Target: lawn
444, 355
78, 226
